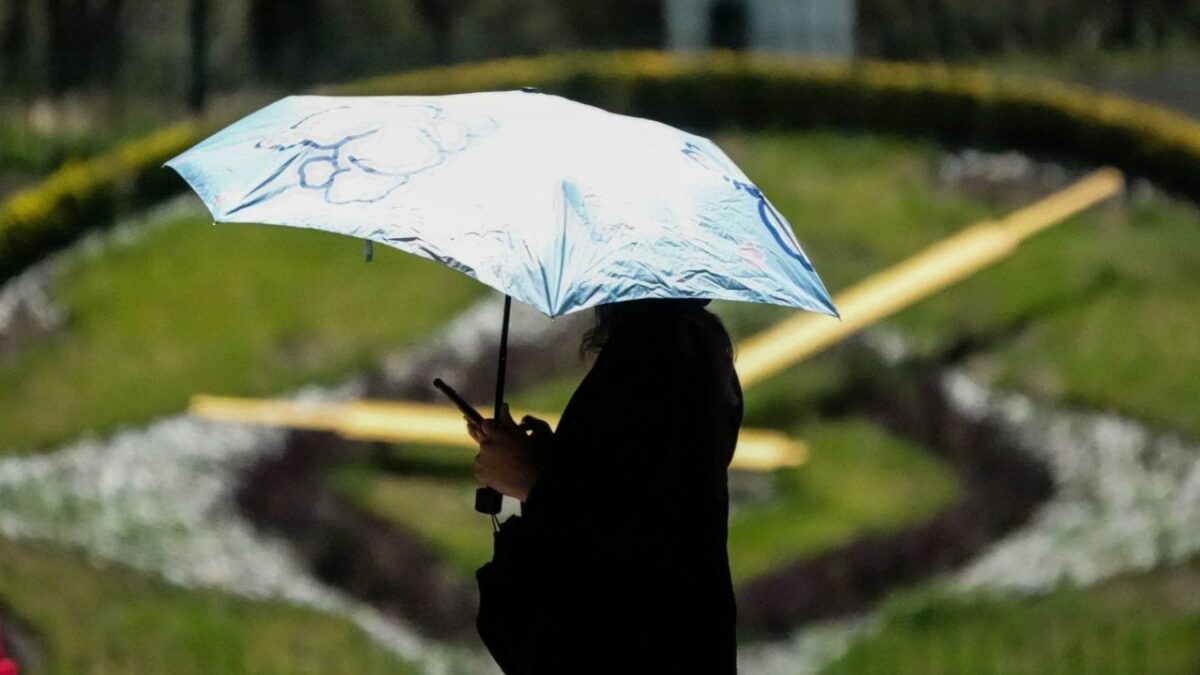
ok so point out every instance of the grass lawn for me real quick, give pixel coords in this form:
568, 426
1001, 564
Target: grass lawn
1145, 623
117, 622
860, 479
230, 309
1099, 312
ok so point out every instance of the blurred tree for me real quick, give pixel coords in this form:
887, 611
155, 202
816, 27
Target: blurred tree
284, 38
364, 37
606, 24
729, 25
198, 29
1148, 22
14, 41
493, 28
157, 48
908, 29
85, 39
439, 18
488, 29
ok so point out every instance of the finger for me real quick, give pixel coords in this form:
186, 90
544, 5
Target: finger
536, 425
499, 429
476, 433
505, 415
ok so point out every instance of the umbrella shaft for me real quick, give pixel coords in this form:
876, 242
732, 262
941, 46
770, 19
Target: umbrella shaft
503, 357
488, 500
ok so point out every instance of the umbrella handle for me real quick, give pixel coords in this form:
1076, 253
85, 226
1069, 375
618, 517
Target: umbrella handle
488, 500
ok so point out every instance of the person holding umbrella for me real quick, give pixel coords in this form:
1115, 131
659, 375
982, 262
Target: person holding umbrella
618, 563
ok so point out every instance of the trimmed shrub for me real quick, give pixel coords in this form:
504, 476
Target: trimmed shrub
701, 92
81, 195
951, 104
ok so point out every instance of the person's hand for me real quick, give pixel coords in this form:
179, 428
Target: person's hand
510, 455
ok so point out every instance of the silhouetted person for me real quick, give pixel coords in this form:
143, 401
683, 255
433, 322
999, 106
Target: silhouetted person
618, 563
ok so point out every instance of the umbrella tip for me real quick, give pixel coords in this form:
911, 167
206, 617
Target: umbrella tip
531, 90
368, 251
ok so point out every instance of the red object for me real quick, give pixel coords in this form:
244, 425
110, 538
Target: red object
7, 667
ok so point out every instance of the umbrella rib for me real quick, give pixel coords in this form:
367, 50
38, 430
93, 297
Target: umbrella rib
552, 299
562, 253
283, 167
257, 200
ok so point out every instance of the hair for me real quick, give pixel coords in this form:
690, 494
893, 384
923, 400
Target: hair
611, 315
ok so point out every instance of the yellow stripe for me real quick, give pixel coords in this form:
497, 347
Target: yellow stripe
757, 449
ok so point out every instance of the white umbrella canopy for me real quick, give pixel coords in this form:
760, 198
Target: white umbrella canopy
556, 203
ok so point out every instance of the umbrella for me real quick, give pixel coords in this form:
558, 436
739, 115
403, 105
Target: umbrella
558, 204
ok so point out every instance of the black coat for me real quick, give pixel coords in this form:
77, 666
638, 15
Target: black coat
618, 563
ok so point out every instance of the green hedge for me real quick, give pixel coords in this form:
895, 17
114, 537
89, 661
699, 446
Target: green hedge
82, 194
956, 105
25, 150
699, 92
